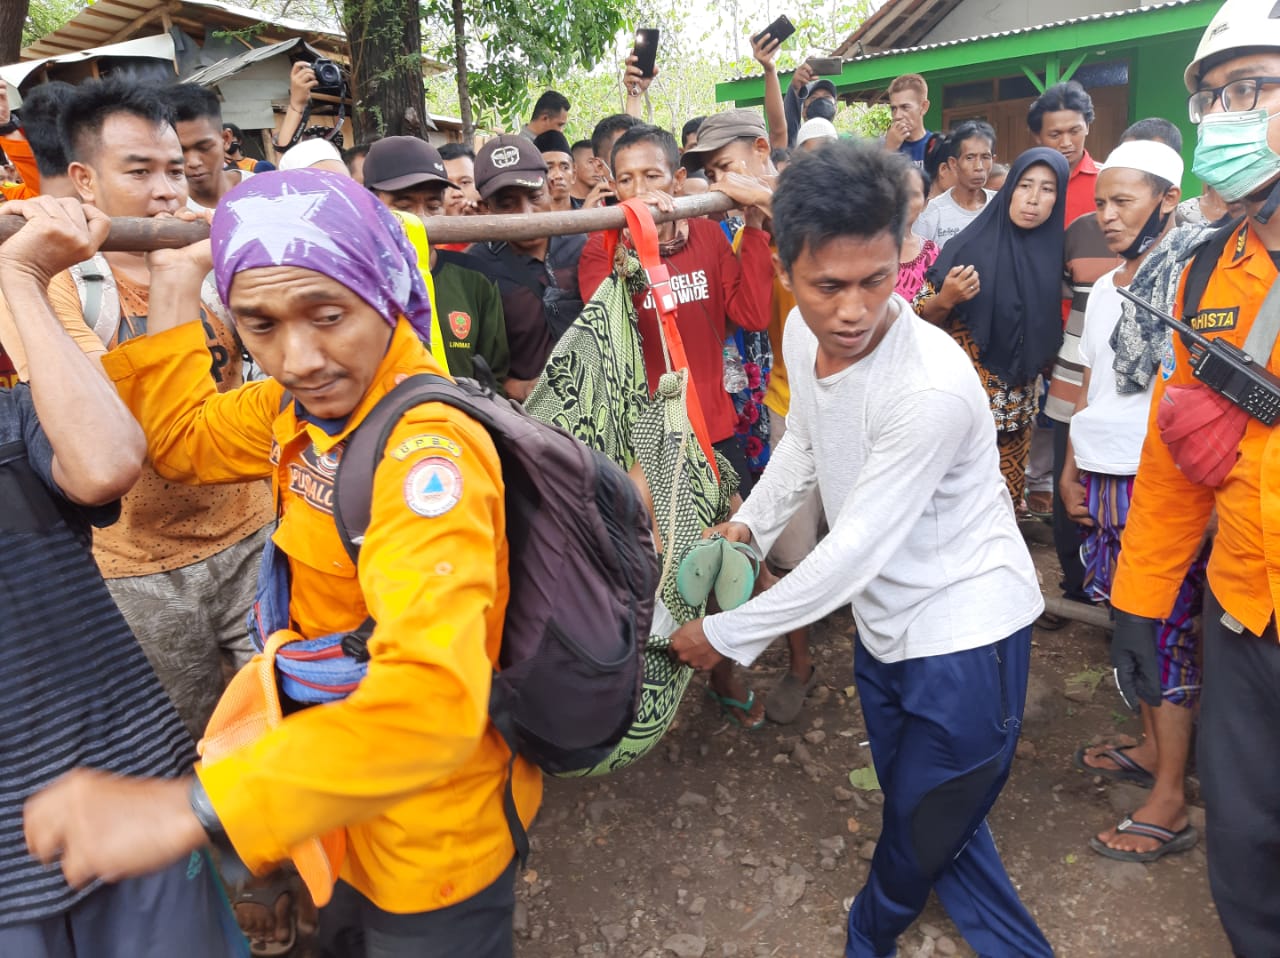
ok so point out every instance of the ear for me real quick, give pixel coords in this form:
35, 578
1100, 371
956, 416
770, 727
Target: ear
226, 140
1171, 200
780, 271
82, 178
680, 175
924, 107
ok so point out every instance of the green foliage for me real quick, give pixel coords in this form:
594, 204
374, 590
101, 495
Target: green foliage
516, 48
45, 16
700, 47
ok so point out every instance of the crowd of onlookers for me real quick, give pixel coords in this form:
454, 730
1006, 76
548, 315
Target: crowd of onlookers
1022, 262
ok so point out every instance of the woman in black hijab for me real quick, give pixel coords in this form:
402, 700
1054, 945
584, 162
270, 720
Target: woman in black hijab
997, 288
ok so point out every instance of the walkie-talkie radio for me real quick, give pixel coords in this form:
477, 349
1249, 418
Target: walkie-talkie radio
1224, 367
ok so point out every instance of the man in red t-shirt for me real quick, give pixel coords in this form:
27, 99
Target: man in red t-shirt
716, 288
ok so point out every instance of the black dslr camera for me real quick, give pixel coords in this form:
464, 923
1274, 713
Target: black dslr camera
1224, 367
329, 77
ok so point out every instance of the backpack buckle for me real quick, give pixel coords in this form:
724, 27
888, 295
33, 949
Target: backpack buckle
356, 645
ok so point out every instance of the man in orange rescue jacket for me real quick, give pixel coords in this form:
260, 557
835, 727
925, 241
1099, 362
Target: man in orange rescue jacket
407, 768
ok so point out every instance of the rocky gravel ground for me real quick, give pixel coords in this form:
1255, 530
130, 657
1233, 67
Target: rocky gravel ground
725, 842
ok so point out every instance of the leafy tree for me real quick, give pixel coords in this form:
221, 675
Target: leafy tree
385, 41
516, 46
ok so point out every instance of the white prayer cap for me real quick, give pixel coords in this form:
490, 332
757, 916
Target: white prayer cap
308, 153
817, 128
1147, 156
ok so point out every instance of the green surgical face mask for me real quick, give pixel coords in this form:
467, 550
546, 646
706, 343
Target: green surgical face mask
1233, 155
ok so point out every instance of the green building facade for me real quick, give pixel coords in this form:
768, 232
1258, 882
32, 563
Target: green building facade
1131, 61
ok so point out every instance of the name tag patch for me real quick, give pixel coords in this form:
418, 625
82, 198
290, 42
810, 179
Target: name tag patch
423, 443
1215, 320
433, 486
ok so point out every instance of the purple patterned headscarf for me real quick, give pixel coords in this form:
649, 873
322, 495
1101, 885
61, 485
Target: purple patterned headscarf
327, 223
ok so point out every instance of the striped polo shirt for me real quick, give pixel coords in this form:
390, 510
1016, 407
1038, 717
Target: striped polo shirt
1085, 260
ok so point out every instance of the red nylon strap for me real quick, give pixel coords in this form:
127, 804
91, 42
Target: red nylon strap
644, 237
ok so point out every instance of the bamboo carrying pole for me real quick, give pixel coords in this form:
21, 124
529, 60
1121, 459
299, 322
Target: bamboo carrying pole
135, 234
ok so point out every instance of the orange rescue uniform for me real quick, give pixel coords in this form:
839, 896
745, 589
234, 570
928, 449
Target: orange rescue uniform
24, 161
1169, 514
409, 762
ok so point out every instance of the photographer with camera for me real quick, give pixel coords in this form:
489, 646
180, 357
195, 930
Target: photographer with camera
323, 76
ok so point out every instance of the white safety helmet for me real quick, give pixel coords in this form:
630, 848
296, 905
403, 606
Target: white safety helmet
1238, 25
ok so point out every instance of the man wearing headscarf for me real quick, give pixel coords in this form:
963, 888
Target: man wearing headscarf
997, 289
407, 770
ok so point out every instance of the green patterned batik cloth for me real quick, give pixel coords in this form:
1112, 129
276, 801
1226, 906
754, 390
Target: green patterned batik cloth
594, 387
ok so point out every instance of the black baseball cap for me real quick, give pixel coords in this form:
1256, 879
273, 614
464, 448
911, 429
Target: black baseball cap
399, 162
817, 85
508, 160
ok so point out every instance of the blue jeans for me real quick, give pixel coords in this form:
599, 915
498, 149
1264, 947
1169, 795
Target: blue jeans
943, 731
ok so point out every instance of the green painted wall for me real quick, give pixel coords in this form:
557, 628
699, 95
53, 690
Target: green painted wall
1160, 92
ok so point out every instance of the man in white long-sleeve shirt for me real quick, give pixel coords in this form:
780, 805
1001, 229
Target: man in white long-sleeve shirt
888, 420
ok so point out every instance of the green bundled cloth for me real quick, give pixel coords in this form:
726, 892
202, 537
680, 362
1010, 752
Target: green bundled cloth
594, 387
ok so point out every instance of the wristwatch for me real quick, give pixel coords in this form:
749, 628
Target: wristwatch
15, 123
203, 809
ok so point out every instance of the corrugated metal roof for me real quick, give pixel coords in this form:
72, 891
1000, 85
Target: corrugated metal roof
1020, 31
109, 21
1109, 15
210, 75
895, 23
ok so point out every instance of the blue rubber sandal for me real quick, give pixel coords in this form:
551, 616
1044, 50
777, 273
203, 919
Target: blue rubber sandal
1168, 842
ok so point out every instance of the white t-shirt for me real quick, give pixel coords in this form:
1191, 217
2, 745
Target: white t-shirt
1107, 434
943, 218
197, 208
923, 542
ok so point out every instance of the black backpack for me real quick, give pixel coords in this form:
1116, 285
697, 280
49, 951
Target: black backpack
583, 576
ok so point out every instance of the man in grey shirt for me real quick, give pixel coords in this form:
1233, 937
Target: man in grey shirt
889, 423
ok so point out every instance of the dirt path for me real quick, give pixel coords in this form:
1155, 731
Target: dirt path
725, 842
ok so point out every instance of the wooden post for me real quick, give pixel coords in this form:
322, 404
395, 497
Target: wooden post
134, 234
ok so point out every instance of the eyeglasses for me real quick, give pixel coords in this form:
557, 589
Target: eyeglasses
1237, 96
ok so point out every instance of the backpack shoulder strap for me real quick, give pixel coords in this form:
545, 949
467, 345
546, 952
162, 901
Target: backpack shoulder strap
1202, 265
353, 486
99, 298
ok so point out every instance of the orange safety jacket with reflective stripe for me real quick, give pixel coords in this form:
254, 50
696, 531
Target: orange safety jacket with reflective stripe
408, 763
1169, 514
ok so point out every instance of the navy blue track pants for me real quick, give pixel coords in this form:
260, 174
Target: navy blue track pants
943, 731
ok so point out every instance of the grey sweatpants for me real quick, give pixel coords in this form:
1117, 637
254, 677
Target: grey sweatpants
192, 620
180, 910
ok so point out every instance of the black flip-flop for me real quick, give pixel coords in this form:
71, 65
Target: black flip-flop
1170, 842
1129, 770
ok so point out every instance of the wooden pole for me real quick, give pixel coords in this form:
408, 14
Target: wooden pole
1094, 615
133, 234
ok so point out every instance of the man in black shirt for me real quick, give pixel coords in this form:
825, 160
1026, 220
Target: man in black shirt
538, 278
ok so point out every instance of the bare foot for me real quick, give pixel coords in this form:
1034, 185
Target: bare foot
1168, 814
